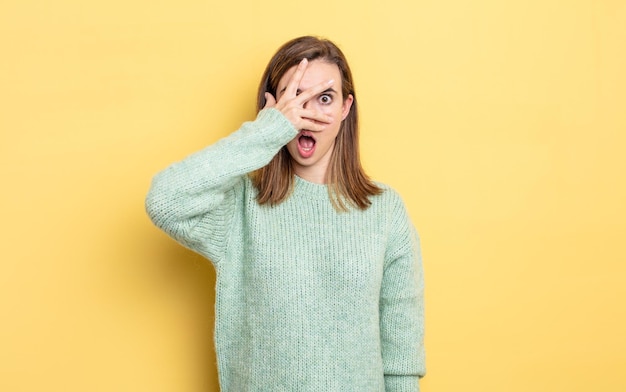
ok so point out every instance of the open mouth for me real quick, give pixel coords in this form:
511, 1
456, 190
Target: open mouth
306, 144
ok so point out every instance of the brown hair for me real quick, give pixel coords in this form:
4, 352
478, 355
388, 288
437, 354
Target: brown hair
347, 181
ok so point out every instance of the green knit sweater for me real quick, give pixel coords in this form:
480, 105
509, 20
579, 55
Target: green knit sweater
307, 298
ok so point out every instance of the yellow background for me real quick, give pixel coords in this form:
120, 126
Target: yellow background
500, 122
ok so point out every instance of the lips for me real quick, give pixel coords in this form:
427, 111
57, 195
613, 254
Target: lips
306, 144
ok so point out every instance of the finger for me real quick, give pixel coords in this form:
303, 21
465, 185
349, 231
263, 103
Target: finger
312, 92
312, 120
311, 125
292, 87
316, 116
270, 101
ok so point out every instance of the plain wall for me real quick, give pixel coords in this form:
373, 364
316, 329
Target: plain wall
500, 122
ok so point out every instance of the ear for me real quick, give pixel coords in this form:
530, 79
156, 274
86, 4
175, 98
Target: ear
347, 104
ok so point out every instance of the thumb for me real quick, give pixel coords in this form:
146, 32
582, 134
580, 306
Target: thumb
269, 101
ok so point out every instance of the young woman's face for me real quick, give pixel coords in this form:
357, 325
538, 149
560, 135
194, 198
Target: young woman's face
311, 150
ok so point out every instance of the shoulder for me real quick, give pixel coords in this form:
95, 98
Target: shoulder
402, 236
390, 209
391, 203
389, 199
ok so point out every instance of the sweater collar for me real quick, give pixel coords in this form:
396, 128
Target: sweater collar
304, 188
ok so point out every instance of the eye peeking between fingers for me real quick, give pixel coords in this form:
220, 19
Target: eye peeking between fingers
325, 99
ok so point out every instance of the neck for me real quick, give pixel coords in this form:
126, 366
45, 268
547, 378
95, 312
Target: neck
312, 174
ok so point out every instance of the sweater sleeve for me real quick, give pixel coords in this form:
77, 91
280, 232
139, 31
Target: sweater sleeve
402, 307
193, 200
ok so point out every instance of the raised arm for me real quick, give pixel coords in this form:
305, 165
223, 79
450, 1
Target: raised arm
194, 200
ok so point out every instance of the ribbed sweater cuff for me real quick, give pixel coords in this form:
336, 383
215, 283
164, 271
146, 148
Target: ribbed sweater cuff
402, 384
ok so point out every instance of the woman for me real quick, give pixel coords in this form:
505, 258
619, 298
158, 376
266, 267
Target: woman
319, 277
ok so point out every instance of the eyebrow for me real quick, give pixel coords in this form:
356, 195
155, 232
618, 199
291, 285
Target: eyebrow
298, 91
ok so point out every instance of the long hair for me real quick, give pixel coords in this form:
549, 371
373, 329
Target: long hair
348, 185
